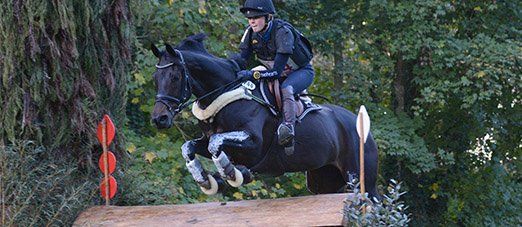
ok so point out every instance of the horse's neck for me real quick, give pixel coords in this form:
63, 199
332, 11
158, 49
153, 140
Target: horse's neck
207, 73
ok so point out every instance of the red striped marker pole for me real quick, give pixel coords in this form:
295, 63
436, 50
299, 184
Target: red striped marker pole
105, 133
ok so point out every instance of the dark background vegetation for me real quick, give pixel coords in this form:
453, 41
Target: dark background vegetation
441, 81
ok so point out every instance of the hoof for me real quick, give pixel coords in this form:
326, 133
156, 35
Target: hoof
238, 179
222, 185
247, 175
213, 186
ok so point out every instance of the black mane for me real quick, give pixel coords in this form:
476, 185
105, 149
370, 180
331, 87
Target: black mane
194, 43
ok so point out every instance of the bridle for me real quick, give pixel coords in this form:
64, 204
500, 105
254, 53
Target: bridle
185, 91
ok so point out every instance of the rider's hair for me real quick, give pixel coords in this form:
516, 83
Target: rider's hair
269, 17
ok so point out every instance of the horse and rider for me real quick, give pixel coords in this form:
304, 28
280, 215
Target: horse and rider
241, 133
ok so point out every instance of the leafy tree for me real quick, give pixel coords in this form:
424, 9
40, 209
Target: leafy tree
63, 64
444, 78
441, 80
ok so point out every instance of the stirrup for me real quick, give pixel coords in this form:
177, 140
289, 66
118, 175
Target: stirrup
285, 134
289, 150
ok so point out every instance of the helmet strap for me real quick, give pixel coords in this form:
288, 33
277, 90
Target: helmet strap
268, 18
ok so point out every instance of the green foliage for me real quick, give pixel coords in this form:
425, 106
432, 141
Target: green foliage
391, 211
447, 74
37, 191
441, 81
288, 185
157, 175
489, 197
397, 139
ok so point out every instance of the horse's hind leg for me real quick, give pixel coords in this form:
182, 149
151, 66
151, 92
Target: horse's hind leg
208, 183
327, 179
235, 176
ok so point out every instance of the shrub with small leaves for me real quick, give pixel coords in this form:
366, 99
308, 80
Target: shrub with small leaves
36, 190
389, 211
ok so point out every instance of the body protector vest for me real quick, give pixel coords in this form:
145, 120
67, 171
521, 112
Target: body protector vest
283, 38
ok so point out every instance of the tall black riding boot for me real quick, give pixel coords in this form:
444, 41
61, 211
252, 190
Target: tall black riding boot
285, 131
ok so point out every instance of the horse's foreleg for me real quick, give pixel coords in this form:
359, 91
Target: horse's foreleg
235, 176
206, 182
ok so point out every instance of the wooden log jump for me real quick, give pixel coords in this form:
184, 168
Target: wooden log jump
315, 210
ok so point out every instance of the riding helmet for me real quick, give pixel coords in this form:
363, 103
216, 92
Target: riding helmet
255, 8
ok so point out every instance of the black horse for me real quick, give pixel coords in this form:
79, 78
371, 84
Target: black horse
241, 138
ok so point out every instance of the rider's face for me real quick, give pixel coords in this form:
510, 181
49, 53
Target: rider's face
257, 23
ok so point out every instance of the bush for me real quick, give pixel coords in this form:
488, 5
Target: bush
37, 190
388, 212
486, 197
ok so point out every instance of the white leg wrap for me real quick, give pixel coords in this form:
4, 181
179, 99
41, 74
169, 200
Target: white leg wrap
223, 165
196, 170
216, 140
186, 152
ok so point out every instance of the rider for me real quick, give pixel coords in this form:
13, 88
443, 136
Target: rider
281, 48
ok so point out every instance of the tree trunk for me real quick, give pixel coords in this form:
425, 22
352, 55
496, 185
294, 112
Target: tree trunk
63, 65
404, 91
338, 73
398, 85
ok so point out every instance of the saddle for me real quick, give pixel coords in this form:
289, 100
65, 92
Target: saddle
275, 89
303, 103
244, 91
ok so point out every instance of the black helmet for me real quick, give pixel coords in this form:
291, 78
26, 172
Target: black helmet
255, 8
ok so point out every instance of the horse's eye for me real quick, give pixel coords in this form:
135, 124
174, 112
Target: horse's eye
174, 76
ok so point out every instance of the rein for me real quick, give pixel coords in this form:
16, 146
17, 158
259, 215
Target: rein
186, 91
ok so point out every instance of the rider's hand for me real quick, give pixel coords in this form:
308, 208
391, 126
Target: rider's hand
245, 75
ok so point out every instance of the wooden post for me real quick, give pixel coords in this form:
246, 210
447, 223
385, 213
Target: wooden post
105, 161
363, 129
361, 159
361, 156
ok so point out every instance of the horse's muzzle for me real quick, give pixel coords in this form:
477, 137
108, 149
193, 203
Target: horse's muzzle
162, 121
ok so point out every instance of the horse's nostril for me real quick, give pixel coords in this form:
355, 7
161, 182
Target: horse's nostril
163, 119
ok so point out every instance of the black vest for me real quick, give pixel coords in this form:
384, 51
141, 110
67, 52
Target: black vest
300, 51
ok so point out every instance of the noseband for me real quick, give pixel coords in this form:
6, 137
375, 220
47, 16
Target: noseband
185, 91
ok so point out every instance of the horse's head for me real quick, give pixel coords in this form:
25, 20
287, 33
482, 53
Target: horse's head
172, 85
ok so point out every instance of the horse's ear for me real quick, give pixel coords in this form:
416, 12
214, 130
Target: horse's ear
155, 50
170, 50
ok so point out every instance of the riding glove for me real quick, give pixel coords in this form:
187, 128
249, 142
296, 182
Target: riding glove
245, 75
